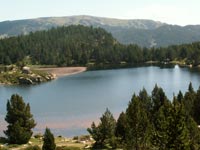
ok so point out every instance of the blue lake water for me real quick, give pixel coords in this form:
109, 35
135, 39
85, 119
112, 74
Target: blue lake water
68, 105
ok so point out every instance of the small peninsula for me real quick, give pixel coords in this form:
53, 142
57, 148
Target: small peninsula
14, 75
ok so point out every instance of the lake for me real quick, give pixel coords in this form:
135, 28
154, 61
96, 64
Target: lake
68, 105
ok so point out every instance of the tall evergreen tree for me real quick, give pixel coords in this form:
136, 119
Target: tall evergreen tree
180, 97
49, 141
138, 126
158, 98
121, 126
179, 134
20, 121
160, 124
146, 101
188, 101
104, 133
196, 114
190, 88
194, 133
172, 127
170, 130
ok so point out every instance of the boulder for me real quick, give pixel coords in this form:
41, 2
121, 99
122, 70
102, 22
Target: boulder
23, 80
26, 70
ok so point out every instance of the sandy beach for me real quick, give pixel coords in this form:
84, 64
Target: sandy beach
63, 71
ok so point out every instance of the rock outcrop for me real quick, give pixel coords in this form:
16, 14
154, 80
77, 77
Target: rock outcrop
35, 79
25, 76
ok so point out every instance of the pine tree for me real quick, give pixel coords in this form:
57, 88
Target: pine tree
160, 124
180, 97
146, 101
194, 133
20, 121
196, 114
179, 134
188, 101
49, 141
158, 98
137, 132
190, 88
121, 126
104, 133
170, 130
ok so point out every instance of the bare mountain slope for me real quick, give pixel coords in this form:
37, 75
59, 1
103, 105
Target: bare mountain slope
142, 32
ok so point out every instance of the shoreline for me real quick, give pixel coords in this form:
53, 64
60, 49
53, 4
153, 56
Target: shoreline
57, 72
63, 71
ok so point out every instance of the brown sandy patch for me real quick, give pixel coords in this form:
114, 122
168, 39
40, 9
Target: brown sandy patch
63, 71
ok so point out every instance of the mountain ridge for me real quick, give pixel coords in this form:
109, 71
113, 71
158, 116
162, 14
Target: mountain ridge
143, 32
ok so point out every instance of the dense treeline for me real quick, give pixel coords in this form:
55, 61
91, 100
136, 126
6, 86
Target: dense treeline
79, 45
61, 46
152, 122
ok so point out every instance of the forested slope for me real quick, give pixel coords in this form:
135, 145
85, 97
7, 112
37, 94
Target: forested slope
80, 45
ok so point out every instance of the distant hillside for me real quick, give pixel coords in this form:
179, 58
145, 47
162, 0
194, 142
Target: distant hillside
146, 33
72, 45
78, 45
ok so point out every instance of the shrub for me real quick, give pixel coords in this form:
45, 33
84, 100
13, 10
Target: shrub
49, 141
67, 148
35, 147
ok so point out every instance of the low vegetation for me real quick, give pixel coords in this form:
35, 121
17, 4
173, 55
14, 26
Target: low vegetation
62, 143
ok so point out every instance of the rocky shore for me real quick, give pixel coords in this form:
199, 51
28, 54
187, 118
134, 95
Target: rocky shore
11, 75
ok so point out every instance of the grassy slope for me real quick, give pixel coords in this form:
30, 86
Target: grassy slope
61, 143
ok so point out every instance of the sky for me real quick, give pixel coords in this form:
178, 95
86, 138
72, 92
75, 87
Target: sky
180, 12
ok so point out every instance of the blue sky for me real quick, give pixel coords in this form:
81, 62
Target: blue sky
181, 12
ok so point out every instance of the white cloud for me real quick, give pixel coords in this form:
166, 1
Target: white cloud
165, 13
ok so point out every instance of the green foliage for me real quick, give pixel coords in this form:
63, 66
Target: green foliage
35, 147
16, 75
20, 121
3, 140
146, 101
38, 135
189, 99
153, 122
63, 46
180, 97
138, 125
104, 133
196, 115
49, 141
3, 148
170, 130
67, 148
121, 126
194, 133
79, 45
158, 99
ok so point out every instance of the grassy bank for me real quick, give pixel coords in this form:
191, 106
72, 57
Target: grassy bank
62, 143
